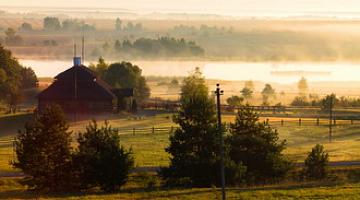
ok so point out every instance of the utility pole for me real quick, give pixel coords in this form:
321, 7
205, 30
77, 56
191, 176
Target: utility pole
218, 93
331, 117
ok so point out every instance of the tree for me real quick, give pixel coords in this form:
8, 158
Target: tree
328, 102
300, 101
234, 101
267, 93
195, 146
118, 24
100, 159
250, 85
316, 163
303, 87
26, 27
11, 38
29, 79
127, 75
246, 93
256, 145
100, 68
14, 78
43, 151
51, 24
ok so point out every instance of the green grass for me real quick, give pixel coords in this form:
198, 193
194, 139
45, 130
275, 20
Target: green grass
136, 188
148, 147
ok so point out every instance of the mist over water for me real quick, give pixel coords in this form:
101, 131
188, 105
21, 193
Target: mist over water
289, 72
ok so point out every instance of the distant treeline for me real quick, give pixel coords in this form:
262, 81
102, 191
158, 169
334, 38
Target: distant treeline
148, 47
338, 102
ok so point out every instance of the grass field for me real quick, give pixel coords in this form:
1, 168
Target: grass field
135, 189
148, 147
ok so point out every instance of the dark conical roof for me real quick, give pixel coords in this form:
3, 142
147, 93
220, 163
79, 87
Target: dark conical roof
88, 86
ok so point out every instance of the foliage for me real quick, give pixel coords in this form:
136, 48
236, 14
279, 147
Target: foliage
100, 159
13, 78
267, 93
329, 101
300, 101
195, 146
26, 27
75, 25
123, 75
161, 47
250, 85
51, 24
11, 38
234, 101
256, 145
43, 151
316, 163
118, 24
302, 86
246, 93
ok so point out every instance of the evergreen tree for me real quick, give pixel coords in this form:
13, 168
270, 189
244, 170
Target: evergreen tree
316, 163
256, 145
101, 160
43, 151
195, 146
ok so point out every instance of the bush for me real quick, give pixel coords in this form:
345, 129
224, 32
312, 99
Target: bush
256, 145
316, 163
101, 160
43, 151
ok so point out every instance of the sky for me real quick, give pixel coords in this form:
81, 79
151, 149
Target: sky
201, 6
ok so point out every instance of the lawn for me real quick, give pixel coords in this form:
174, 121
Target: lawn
148, 147
136, 189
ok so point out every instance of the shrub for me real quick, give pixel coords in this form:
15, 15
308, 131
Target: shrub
316, 163
100, 159
256, 145
43, 151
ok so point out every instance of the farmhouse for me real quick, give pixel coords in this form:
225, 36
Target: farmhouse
80, 90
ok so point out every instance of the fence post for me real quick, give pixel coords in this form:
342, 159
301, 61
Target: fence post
317, 121
133, 131
282, 122
153, 130
267, 121
299, 121
334, 122
352, 122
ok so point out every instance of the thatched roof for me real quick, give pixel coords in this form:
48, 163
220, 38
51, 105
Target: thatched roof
88, 86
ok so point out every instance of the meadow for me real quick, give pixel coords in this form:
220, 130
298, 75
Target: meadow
149, 145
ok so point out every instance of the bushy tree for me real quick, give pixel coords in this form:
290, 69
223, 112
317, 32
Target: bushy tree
26, 27
329, 101
195, 146
267, 93
51, 24
13, 78
11, 38
256, 145
300, 101
246, 93
316, 163
100, 159
234, 100
43, 151
250, 85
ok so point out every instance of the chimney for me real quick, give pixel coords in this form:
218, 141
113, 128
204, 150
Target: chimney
77, 61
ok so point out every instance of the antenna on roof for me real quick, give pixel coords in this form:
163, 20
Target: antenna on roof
74, 50
83, 49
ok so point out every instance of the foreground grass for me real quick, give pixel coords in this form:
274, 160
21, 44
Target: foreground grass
11, 189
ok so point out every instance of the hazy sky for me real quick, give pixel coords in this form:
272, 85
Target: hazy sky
208, 6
